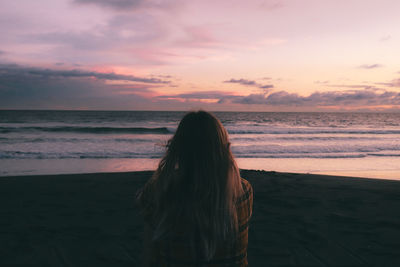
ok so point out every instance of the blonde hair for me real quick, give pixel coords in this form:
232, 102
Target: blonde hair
196, 185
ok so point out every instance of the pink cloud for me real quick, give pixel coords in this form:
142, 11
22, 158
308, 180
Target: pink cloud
197, 37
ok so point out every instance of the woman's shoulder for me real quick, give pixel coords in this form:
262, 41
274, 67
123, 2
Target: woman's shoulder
244, 204
246, 186
247, 192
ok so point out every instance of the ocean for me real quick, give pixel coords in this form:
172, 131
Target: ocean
53, 142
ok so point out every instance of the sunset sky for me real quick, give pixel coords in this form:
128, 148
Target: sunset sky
273, 55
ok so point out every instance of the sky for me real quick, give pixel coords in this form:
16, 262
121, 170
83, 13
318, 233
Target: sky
254, 55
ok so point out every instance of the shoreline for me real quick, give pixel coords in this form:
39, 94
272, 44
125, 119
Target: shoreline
298, 220
147, 172
378, 168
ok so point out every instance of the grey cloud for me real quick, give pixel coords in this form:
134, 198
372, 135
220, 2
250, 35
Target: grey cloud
393, 83
114, 4
10, 70
385, 84
278, 98
242, 81
165, 76
221, 96
370, 66
321, 82
124, 5
201, 95
250, 99
353, 86
250, 83
267, 86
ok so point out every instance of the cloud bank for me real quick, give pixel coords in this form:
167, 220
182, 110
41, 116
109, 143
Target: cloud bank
24, 87
354, 98
39, 88
350, 98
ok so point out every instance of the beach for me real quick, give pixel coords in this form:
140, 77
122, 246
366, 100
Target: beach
298, 220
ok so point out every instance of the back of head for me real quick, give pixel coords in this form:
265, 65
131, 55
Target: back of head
200, 150
197, 183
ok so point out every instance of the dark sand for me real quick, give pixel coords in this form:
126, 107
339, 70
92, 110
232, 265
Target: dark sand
298, 220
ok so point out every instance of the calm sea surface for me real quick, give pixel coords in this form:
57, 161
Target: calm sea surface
357, 144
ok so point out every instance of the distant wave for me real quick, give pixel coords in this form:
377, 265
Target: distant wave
92, 130
302, 156
312, 131
75, 155
304, 138
316, 156
84, 141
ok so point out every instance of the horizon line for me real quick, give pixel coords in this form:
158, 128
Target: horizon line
189, 110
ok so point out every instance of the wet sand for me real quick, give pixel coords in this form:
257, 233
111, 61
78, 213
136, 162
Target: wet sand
298, 220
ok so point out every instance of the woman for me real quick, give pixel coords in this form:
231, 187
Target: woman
196, 206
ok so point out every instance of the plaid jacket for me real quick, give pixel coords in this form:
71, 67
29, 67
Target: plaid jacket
179, 253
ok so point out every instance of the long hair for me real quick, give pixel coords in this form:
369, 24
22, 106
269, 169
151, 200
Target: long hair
196, 185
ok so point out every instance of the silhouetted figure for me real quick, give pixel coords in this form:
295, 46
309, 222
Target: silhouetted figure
196, 206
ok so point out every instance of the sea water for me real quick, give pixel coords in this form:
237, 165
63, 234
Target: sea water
44, 142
